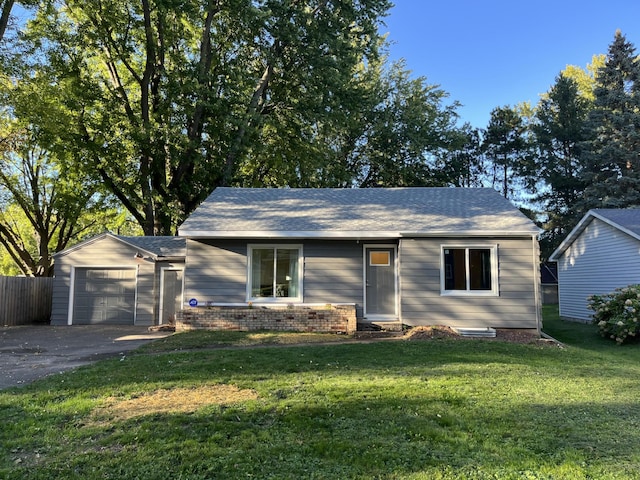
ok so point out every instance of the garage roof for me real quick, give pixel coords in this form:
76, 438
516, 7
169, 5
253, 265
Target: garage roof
157, 247
160, 246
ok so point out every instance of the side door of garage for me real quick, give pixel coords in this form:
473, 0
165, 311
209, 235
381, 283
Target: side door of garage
104, 296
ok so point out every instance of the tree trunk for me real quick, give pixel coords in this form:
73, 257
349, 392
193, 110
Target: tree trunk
7, 5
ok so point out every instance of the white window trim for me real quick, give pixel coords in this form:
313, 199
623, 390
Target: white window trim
287, 246
161, 295
495, 288
365, 248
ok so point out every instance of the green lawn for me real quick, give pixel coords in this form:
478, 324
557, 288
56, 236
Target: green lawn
397, 409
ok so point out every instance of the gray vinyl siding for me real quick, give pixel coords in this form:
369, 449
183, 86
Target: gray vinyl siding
105, 252
516, 306
216, 271
333, 273
601, 259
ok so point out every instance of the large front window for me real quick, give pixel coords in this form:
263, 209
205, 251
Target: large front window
274, 273
469, 270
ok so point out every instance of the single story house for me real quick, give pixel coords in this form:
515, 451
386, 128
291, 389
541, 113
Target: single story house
462, 257
113, 279
599, 255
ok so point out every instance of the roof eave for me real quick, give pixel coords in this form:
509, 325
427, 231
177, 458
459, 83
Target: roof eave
149, 253
581, 226
171, 258
573, 234
314, 234
350, 235
473, 233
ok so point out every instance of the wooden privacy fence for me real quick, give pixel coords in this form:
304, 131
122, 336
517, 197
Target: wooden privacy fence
25, 300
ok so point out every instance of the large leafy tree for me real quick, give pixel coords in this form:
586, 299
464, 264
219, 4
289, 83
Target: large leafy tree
45, 204
585, 78
42, 206
390, 130
556, 173
402, 131
168, 99
5, 12
612, 148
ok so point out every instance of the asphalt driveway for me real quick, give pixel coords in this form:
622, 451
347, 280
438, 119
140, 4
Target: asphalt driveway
30, 352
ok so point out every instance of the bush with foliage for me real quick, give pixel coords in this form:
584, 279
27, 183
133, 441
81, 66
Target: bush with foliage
617, 314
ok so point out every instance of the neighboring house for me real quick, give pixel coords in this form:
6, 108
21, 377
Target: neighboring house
112, 279
421, 256
599, 255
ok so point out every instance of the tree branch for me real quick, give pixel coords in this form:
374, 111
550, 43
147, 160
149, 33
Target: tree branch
4, 17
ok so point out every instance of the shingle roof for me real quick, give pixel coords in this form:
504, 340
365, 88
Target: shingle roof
160, 246
627, 218
361, 213
624, 219
167, 247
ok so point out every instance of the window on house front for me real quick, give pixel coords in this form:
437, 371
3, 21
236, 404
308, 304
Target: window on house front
469, 270
379, 259
274, 273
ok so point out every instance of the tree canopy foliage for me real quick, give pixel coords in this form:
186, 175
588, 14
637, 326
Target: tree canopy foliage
156, 103
173, 98
585, 135
151, 105
612, 149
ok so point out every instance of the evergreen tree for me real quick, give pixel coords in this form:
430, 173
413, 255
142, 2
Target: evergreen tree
506, 148
462, 165
559, 130
612, 151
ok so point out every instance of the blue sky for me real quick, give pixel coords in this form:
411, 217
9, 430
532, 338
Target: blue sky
496, 52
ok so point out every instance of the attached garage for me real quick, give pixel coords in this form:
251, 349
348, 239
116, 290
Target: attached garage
104, 296
117, 280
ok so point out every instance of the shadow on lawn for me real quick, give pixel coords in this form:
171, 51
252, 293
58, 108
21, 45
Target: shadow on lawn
582, 335
297, 437
338, 411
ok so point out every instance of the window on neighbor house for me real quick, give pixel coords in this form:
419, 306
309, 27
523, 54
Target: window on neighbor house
275, 273
469, 270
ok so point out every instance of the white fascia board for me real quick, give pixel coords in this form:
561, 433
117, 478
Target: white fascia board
348, 235
139, 249
573, 234
315, 234
472, 233
84, 243
101, 236
616, 225
581, 226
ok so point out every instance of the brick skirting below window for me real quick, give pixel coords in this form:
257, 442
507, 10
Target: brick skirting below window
322, 319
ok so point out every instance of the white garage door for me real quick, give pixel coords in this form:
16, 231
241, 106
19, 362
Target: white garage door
104, 296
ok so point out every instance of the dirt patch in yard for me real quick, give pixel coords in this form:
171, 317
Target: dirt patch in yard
177, 400
504, 334
427, 333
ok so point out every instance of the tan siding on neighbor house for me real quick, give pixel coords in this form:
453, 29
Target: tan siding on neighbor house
423, 304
